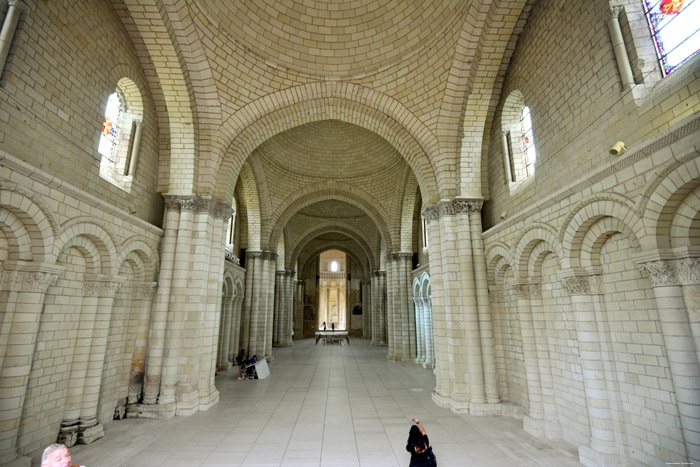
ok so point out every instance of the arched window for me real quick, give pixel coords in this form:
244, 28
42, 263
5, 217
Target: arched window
528, 141
121, 134
520, 155
675, 29
334, 266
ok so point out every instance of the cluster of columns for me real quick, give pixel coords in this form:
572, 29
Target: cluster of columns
401, 323
541, 419
285, 285
258, 304
379, 307
22, 293
466, 378
424, 326
676, 284
366, 309
185, 322
80, 414
230, 325
299, 291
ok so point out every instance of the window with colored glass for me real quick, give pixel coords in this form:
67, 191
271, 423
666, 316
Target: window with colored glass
675, 28
528, 141
110, 133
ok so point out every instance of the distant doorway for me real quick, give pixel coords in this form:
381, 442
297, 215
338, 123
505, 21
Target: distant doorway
332, 291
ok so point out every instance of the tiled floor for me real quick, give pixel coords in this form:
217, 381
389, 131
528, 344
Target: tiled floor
322, 406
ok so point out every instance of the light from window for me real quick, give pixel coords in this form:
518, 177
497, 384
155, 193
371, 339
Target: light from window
528, 141
110, 133
425, 233
334, 266
230, 230
675, 28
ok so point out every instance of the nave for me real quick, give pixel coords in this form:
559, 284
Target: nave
323, 405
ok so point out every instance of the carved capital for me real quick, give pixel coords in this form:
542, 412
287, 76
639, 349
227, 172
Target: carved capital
521, 291
496, 296
144, 291
222, 211
661, 273
101, 288
27, 281
453, 207
584, 285
269, 256
688, 271
614, 12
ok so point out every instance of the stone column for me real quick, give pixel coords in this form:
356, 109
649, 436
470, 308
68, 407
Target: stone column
278, 318
290, 280
270, 262
158, 324
379, 308
407, 316
215, 219
420, 325
455, 281
22, 293
552, 428
602, 449
429, 351
142, 299
255, 322
366, 307
249, 317
497, 301
667, 278
299, 309
103, 289
224, 353
488, 343
391, 307
234, 326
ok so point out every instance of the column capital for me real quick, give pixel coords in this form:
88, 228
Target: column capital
269, 255
101, 286
663, 272
526, 290
378, 273
198, 204
143, 290
584, 284
614, 12
453, 207
290, 273
253, 254
29, 276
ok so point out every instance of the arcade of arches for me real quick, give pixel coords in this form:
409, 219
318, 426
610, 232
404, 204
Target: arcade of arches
437, 178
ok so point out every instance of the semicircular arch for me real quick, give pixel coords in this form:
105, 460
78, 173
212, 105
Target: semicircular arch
329, 227
97, 234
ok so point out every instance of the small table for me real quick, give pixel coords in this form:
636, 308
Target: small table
333, 336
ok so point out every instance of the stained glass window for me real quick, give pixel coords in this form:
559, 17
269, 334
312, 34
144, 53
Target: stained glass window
528, 141
110, 133
675, 27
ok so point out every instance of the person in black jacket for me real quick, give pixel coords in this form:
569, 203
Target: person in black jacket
419, 446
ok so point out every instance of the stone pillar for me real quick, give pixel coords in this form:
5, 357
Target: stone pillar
408, 317
235, 325
429, 351
103, 289
391, 307
379, 308
602, 449
268, 297
299, 309
488, 343
158, 324
290, 280
533, 422
224, 352
141, 301
255, 315
497, 301
278, 318
366, 307
420, 325
667, 279
456, 280
215, 220
248, 317
22, 293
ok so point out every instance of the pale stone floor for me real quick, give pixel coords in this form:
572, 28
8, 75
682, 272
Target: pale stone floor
322, 405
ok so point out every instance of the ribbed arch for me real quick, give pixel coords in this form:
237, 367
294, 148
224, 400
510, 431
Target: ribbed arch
331, 227
351, 103
324, 191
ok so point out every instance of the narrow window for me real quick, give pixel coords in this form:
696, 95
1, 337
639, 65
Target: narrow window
230, 231
675, 29
110, 133
334, 266
425, 233
528, 141
509, 156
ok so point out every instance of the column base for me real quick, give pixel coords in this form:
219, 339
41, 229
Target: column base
91, 434
209, 401
552, 429
441, 401
485, 410
155, 411
221, 367
592, 458
187, 403
532, 426
508, 409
